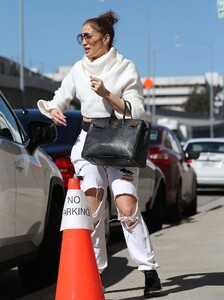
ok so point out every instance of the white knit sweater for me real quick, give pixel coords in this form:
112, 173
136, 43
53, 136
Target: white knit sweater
119, 75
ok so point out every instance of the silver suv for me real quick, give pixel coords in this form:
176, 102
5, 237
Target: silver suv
31, 200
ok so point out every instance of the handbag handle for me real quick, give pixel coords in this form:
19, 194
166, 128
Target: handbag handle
127, 104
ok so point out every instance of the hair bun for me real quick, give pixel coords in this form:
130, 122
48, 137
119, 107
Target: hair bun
110, 16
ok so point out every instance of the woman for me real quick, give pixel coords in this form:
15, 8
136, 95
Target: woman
100, 81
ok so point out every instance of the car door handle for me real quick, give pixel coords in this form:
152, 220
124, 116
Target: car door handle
19, 165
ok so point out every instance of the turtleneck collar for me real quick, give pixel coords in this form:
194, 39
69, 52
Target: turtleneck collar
103, 64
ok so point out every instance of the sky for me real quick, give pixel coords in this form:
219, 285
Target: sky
162, 37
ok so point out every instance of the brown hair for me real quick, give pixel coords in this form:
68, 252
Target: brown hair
104, 24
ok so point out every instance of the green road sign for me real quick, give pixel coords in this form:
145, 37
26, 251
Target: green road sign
220, 7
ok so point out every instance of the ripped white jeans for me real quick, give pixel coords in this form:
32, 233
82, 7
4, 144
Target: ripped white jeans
137, 236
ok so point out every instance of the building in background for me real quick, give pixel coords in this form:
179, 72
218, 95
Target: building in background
167, 95
169, 92
173, 92
37, 85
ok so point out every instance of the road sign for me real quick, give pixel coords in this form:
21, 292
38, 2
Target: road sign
148, 83
220, 7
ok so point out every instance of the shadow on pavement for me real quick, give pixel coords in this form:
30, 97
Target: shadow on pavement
192, 281
182, 283
131, 298
117, 241
118, 273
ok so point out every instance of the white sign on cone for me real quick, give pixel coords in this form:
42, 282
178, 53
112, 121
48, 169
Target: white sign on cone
76, 212
220, 7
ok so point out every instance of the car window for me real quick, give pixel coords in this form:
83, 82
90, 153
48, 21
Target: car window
154, 137
9, 128
167, 140
174, 143
220, 148
215, 147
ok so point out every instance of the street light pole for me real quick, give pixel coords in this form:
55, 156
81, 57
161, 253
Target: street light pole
211, 94
21, 42
154, 87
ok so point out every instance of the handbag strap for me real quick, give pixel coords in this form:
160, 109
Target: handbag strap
127, 104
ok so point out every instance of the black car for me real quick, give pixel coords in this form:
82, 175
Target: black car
152, 193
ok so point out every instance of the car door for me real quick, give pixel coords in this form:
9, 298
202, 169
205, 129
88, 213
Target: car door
7, 195
29, 181
146, 185
30, 201
172, 171
185, 170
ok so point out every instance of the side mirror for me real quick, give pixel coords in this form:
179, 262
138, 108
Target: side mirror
41, 133
192, 154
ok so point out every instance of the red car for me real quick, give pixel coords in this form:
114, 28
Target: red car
166, 152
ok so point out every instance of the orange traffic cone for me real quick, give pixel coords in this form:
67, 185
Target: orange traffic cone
78, 276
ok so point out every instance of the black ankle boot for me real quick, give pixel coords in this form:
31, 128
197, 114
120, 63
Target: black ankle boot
152, 283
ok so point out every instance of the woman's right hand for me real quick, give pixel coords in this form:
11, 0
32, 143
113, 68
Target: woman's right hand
58, 117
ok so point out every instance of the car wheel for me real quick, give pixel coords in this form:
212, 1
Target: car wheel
43, 270
154, 220
174, 212
191, 209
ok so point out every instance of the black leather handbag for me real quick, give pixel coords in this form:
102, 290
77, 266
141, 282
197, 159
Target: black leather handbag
117, 142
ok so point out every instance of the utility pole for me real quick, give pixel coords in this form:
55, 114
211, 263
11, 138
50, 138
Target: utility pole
21, 42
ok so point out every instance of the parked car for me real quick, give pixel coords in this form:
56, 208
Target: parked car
151, 184
166, 152
209, 166
31, 200
60, 149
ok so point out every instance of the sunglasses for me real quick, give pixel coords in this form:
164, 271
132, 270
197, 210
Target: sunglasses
88, 38
85, 36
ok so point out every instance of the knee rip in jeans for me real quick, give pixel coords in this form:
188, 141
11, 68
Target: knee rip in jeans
130, 219
95, 192
97, 216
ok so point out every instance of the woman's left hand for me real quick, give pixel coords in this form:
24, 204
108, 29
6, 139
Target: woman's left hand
98, 87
